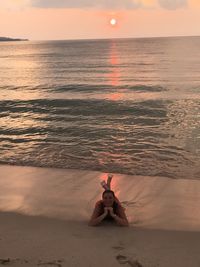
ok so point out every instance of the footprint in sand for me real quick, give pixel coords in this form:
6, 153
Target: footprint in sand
56, 263
124, 260
9, 261
5, 261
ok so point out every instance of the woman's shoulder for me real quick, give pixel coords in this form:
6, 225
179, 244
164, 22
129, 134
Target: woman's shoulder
99, 206
99, 203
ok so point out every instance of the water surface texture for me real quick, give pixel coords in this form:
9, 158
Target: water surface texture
129, 106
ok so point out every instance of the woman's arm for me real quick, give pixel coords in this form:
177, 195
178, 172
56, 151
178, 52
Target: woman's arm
120, 218
96, 218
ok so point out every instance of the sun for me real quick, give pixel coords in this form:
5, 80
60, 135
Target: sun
113, 22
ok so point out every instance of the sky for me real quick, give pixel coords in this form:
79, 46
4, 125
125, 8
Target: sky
90, 19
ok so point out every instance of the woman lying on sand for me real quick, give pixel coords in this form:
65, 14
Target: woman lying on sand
109, 208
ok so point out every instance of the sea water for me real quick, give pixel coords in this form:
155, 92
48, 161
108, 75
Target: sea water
129, 106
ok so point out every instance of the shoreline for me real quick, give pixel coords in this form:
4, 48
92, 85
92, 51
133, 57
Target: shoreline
150, 202
91, 170
44, 215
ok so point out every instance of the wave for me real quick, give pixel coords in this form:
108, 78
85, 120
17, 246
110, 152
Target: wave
75, 88
148, 108
139, 138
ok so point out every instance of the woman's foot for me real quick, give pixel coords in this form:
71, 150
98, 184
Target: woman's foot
109, 180
104, 185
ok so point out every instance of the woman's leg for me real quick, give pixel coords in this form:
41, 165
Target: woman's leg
104, 185
107, 185
109, 180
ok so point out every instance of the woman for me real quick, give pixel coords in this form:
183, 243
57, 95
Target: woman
109, 208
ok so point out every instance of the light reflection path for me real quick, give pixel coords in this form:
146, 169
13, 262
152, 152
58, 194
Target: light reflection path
114, 74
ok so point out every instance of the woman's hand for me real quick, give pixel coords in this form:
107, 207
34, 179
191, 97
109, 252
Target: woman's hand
105, 211
110, 210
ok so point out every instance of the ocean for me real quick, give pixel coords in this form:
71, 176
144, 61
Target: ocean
127, 106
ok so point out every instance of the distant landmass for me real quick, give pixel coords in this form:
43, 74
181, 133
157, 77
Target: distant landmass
7, 39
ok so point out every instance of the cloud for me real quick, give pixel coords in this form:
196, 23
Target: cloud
14, 4
173, 4
94, 4
108, 4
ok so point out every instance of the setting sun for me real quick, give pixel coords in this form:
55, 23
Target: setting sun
113, 22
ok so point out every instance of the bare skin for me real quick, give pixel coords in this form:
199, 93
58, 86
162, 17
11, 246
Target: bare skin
108, 200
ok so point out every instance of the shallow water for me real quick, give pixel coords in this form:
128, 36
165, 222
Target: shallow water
127, 106
150, 202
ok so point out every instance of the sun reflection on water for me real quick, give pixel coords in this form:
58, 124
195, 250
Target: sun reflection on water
114, 74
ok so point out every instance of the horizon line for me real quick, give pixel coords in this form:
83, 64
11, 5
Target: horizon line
113, 38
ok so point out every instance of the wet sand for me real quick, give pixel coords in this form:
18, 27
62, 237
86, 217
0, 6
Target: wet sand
44, 215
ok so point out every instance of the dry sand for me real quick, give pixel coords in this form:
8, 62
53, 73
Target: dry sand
38, 229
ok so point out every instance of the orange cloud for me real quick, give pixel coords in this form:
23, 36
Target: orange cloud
98, 4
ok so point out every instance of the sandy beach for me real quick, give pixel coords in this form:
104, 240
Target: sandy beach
44, 215
37, 241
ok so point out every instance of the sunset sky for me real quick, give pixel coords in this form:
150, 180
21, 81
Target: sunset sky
83, 19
